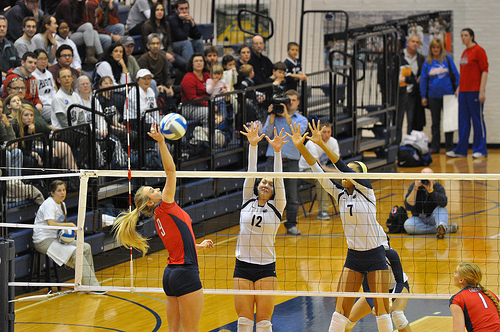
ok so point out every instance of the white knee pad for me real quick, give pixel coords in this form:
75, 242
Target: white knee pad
384, 323
399, 319
245, 324
338, 322
264, 326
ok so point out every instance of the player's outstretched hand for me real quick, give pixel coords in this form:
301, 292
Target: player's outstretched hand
206, 244
315, 132
155, 133
278, 140
252, 134
296, 137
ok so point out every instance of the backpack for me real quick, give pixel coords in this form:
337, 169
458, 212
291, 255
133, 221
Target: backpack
396, 221
408, 156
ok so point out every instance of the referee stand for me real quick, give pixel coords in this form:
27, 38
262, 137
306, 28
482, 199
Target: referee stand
7, 293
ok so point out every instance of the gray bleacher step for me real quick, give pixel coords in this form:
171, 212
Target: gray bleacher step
366, 121
373, 162
368, 143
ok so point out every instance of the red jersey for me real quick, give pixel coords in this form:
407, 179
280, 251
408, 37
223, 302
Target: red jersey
472, 65
174, 228
480, 312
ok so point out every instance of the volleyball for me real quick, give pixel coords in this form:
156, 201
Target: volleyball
66, 235
173, 126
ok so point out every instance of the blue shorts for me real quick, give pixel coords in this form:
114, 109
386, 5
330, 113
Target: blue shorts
180, 280
253, 272
366, 261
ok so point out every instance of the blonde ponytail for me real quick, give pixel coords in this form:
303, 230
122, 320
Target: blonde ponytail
125, 226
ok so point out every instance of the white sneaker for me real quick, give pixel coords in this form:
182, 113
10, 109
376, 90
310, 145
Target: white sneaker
452, 154
477, 155
453, 227
323, 215
293, 231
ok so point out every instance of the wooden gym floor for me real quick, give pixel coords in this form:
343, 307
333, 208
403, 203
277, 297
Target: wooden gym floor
428, 262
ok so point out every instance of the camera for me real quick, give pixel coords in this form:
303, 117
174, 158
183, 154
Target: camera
279, 97
425, 182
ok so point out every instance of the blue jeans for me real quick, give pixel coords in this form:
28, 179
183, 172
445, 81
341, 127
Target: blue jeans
106, 40
186, 48
428, 225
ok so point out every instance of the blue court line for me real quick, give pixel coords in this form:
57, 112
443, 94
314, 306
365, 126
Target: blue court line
157, 317
79, 325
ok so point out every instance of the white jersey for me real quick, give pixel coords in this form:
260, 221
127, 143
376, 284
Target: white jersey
46, 86
358, 213
147, 101
49, 210
259, 224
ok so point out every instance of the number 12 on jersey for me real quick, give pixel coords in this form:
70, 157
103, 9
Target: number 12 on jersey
256, 223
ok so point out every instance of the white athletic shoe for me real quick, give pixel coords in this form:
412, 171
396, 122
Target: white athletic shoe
478, 155
452, 154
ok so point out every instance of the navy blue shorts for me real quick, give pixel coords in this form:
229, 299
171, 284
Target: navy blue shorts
253, 272
180, 280
366, 261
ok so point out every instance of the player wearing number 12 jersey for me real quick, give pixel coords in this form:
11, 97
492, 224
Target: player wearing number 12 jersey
260, 219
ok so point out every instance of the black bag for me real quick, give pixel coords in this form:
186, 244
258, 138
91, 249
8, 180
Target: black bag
396, 221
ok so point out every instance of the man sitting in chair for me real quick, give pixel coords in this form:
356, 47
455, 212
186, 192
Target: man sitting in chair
318, 153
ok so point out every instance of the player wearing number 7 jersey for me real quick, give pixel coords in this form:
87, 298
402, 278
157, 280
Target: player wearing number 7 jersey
474, 307
365, 236
260, 219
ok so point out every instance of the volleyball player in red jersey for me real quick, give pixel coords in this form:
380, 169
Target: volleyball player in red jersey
181, 280
474, 307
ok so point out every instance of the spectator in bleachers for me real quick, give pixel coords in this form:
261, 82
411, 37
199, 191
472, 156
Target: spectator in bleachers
81, 32
158, 24
24, 73
216, 84
114, 65
11, 106
24, 125
132, 64
157, 63
211, 56
262, 65
112, 104
53, 212
45, 38
16, 15
186, 38
193, 87
83, 88
147, 100
253, 97
244, 54
283, 119
322, 195
46, 84
230, 73
139, 12
24, 43
103, 15
13, 155
65, 97
62, 38
293, 64
8, 53
279, 77
64, 56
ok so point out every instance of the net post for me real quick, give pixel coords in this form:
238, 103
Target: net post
7, 254
80, 237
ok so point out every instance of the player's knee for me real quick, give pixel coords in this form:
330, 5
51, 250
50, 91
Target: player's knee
399, 319
338, 322
384, 323
350, 325
245, 324
264, 326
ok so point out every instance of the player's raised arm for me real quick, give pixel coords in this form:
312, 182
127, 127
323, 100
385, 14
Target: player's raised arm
168, 193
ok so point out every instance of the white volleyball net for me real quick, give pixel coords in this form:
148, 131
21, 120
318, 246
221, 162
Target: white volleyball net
309, 264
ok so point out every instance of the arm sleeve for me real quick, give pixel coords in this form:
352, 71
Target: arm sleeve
327, 184
210, 86
483, 60
408, 206
438, 195
63, 119
424, 81
188, 86
104, 69
455, 72
279, 185
396, 266
252, 167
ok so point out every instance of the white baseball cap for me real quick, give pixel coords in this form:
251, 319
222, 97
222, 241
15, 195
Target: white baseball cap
143, 73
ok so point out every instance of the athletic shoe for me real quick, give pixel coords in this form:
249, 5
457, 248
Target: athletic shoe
323, 215
293, 231
441, 231
97, 292
453, 227
477, 155
452, 154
